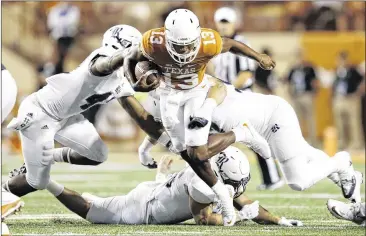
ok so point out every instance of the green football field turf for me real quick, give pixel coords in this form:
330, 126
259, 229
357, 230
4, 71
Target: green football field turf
44, 215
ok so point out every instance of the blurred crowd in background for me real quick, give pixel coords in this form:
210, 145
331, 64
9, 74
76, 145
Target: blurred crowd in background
318, 46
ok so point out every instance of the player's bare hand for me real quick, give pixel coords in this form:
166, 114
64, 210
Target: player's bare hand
266, 62
142, 86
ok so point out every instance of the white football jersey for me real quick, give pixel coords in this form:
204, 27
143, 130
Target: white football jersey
71, 93
240, 107
171, 199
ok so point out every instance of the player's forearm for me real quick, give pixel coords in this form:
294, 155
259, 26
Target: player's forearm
128, 68
219, 142
145, 120
240, 49
264, 216
106, 65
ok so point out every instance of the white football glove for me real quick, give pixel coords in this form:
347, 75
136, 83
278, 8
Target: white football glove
249, 211
289, 222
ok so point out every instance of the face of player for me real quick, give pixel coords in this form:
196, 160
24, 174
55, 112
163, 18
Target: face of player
184, 49
225, 29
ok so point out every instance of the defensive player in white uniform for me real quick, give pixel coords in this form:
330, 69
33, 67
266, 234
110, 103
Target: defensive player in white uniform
275, 120
9, 202
53, 113
173, 199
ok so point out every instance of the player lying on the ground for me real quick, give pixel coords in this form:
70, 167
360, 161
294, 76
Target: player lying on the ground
355, 212
9, 202
53, 113
181, 49
274, 119
173, 199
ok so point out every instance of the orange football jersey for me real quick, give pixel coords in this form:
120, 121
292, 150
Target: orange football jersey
179, 76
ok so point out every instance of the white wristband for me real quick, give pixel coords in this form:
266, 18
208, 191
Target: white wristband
164, 139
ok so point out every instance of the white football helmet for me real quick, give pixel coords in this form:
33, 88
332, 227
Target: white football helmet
120, 37
231, 167
182, 35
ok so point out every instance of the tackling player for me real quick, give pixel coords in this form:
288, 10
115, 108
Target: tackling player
53, 113
175, 198
9, 202
275, 120
182, 50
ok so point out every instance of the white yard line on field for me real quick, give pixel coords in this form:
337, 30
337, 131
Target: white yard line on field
76, 217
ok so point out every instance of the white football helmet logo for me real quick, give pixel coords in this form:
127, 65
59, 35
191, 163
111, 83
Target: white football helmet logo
121, 37
231, 166
182, 35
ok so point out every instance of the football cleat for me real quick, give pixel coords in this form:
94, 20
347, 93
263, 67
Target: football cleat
15, 172
197, 122
9, 204
351, 212
356, 196
347, 175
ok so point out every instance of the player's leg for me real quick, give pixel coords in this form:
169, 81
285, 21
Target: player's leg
69, 198
10, 203
302, 164
8, 94
83, 145
198, 155
37, 132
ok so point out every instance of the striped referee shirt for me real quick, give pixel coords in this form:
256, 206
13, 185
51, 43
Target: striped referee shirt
228, 65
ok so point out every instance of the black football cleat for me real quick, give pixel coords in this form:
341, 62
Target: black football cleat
15, 172
197, 122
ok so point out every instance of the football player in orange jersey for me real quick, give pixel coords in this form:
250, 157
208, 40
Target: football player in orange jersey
182, 50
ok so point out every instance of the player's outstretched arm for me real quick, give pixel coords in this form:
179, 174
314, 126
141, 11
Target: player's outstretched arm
236, 47
145, 120
249, 209
134, 56
104, 65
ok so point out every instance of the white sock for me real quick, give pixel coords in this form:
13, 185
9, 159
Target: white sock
55, 188
321, 169
320, 155
58, 156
